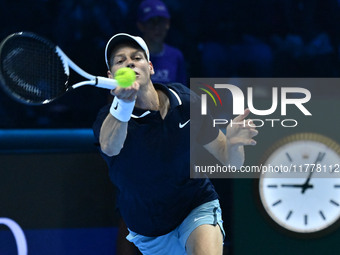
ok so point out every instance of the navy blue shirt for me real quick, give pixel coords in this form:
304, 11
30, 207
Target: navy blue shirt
152, 171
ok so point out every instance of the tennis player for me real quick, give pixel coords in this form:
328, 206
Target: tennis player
144, 138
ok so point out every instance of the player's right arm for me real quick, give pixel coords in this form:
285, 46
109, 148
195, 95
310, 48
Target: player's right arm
113, 131
112, 135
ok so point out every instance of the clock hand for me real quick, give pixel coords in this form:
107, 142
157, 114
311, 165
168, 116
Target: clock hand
295, 185
306, 184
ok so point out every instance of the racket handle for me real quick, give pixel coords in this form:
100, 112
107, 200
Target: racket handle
106, 83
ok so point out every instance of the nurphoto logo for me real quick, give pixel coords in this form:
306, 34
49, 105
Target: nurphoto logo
298, 97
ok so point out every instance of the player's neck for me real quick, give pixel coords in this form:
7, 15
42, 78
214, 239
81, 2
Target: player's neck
147, 98
151, 99
164, 103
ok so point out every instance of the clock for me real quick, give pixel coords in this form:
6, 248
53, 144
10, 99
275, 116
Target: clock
298, 189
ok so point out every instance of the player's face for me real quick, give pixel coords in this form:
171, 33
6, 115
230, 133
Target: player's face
134, 58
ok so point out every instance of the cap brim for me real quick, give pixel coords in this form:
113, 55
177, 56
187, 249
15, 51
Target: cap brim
119, 39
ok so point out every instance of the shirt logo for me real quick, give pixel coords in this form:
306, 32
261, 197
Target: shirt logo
116, 107
184, 124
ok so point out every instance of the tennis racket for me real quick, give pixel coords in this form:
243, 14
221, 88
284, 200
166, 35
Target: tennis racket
35, 71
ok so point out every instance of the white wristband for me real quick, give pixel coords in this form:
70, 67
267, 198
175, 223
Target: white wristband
122, 110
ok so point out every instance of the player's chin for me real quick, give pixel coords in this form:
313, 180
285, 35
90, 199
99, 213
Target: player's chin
142, 79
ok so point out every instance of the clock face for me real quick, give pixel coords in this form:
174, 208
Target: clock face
300, 189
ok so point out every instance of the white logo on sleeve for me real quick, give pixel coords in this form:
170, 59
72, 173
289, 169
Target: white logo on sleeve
184, 124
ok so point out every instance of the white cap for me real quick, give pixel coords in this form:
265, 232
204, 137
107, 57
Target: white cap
118, 38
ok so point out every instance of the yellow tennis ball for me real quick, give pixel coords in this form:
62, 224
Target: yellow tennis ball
125, 77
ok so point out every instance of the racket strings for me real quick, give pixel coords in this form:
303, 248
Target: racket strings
32, 70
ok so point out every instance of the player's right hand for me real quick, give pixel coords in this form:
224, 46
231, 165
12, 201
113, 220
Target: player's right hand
128, 94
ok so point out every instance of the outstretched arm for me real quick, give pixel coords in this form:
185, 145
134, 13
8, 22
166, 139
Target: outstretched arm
229, 148
113, 131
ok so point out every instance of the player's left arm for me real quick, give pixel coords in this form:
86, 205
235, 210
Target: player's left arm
229, 148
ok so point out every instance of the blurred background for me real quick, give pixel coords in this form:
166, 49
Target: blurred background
230, 38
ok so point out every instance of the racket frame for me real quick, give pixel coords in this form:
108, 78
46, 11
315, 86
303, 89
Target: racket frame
96, 81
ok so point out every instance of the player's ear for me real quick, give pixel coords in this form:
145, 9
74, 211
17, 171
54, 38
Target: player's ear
152, 71
109, 74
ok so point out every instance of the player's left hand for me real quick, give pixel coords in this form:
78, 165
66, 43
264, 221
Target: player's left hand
241, 131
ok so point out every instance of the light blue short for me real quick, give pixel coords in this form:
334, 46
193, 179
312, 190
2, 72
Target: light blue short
174, 242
